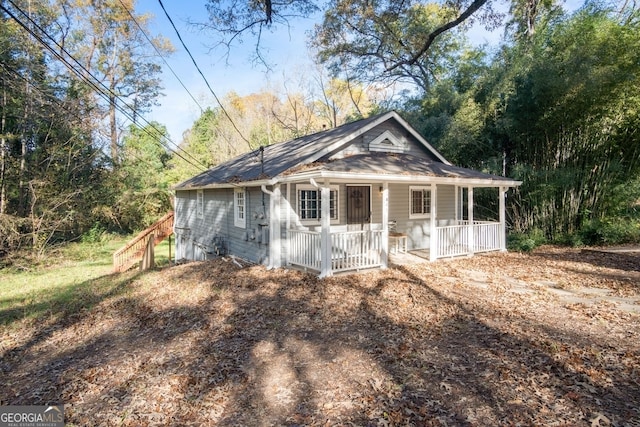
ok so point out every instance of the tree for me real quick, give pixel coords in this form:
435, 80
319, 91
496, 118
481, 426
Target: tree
140, 186
111, 42
563, 106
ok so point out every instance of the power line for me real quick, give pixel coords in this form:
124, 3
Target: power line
59, 103
160, 55
104, 92
202, 75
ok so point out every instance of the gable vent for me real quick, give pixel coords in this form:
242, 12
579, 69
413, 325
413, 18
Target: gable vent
388, 142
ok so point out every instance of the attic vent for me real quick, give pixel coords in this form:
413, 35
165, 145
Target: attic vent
388, 142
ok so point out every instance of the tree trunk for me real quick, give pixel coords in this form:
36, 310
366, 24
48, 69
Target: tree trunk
113, 129
3, 150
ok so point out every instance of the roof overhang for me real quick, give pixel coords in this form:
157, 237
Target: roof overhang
346, 177
321, 176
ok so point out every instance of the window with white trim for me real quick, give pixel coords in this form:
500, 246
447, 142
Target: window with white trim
239, 208
310, 203
200, 204
420, 202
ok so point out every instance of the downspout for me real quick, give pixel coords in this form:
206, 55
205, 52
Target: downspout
275, 257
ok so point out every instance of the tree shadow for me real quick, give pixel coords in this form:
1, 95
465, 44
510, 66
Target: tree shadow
250, 347
623, 261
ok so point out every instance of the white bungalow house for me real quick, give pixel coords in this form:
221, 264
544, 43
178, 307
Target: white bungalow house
386, 189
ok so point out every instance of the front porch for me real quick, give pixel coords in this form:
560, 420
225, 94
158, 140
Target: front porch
366, 221
364, 249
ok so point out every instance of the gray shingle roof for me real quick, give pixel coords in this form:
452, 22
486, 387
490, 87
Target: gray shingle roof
397, 164
304, 153
278, 158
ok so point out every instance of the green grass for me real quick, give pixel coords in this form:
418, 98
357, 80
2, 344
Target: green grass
70, 279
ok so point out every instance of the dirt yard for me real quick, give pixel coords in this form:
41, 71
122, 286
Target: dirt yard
547, 338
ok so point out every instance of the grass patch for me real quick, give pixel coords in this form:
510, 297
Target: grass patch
70, 279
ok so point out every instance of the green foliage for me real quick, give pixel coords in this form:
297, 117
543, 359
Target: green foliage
382, 41
140, 184
95, 234
610, 231
562, 108
526, 242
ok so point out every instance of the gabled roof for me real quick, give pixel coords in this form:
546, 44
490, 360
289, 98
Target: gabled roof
285, 158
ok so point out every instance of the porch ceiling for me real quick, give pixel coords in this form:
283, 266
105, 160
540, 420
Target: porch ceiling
396, 167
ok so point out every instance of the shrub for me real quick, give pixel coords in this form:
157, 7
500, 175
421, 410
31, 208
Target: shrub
611, 231
96, 234
526, 242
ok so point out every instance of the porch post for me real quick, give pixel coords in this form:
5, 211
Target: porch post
275, 246
287, 242
470, 235
433, 226
385, 225
503, 221
325, 235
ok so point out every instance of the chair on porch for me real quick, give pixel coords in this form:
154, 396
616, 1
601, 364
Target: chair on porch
397, 241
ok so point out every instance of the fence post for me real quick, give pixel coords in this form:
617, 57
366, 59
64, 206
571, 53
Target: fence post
148, 261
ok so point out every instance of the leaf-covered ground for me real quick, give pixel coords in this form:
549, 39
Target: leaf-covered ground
499, 339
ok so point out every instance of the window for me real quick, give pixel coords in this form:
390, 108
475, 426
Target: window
239, 208
200, 204
310, 203
420, 200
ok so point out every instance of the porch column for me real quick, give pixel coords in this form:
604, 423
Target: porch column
503, 220
287, 242
433, 225
470, 235
385, 225
275, 245
325, 235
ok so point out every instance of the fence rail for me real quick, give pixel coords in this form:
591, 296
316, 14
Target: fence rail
453, 240
304, 249
355, 250
131, 253
350, 250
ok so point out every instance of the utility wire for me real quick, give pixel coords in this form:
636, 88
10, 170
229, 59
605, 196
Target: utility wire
103, 91
160, 55
62, 105
202, 74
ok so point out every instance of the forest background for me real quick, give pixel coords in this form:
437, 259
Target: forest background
556, 106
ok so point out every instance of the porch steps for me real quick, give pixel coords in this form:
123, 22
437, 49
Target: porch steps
134, 251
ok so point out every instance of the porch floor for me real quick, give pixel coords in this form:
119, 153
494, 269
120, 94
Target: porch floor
409, 257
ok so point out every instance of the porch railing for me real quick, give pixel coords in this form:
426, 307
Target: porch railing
304, 249
350, 250
453, 240
355, 250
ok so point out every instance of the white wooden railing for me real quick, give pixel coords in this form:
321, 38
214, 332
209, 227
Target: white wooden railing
304, 249
355, 250
453, 240
350, 250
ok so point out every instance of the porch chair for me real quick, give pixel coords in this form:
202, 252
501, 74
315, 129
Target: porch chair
397, 241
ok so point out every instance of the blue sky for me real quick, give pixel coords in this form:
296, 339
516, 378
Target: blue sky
285, 49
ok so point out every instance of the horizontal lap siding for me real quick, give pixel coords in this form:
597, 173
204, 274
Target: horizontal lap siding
218, 222
446, 205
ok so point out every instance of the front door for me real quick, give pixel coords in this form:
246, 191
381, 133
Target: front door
358, 204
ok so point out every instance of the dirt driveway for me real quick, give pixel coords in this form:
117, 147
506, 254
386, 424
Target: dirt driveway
498, 339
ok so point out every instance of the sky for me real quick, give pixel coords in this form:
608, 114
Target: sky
237, 73
285, 50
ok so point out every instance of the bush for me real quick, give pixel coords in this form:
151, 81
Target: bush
526, 242
96, 234
610, 231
